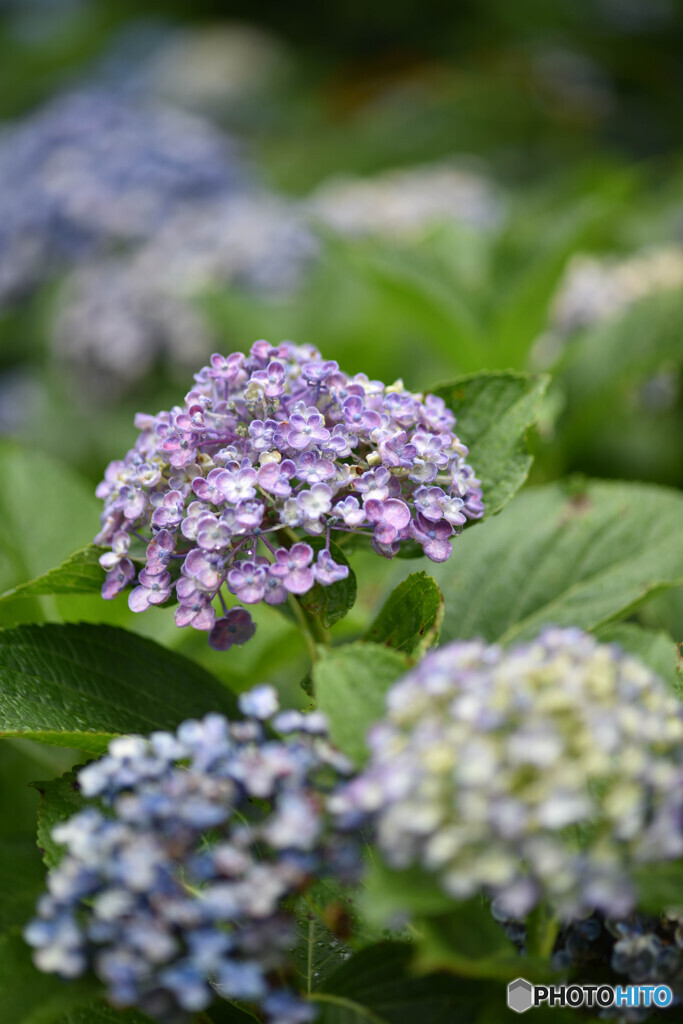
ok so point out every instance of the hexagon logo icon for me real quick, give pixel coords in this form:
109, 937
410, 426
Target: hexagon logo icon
520, 995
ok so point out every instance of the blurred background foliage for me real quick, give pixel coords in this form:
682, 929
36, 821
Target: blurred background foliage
420, 190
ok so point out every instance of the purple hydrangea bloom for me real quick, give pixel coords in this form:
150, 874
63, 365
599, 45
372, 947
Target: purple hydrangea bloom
390, 518
307, 428
178, 875
434, 537
247, 581
272, 379
120, 543
358, 416
314, 470
349, 509
151, 590
118, 578
292, 568
327, 571
274, 477
280, 440
195, 607
170, 511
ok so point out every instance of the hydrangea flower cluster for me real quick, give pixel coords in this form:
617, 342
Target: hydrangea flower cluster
173, 883
546, 771
221, 70
118, 316
639, 949
89, 169
265, 445
404, 203
596, 290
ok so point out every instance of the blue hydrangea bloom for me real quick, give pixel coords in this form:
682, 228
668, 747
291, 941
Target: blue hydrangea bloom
174, 883
90, 170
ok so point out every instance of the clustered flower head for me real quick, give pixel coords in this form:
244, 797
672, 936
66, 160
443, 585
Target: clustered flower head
595, 290
639, 949
271, 449
90, 170
546, 771
173, 881
406, 202
117, 316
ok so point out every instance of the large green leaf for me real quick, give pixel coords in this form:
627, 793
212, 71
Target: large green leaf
21, 881
329, 927
99, 1012
411, 618
59, 799
79, 685
81, 573
467, 941
46, 512
389, 896
350, 684
493, 412
622, 419
376, 987
659, 886
656, 649
29, 997
565, 554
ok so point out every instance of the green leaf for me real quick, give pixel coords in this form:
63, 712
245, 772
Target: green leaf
390, 896
468, 941
325, 918
21, 881
493, 412
659, 886
79, 685
568, 554
350, 684
59, 799
330, 604
376, 987
223, 1012
28, 996
420, 287
46, 512
655, 649
610, 418
99, 1012
81, 573
411, 618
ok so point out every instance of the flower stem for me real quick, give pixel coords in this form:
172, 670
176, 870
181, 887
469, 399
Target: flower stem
304, 626
542, 928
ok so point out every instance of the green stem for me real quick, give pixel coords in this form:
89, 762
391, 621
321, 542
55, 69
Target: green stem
547, 943
316, 627
304, 626
309, 972
542, 929
311, 627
